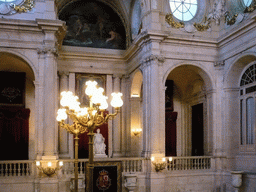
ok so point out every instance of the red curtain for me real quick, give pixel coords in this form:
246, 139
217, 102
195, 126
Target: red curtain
14, 133
83, 146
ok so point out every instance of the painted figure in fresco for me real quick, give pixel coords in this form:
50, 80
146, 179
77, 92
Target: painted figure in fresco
99, 143
115, 39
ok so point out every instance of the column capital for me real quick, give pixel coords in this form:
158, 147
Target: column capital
160, 59
48, 50
63, 73
219, 64
118, 75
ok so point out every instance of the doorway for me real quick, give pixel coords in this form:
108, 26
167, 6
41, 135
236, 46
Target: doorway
197, 130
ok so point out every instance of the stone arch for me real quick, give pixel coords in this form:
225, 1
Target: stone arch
20, 62
191, 87
236, 68
198, 68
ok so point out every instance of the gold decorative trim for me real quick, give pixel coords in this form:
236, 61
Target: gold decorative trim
250, 9
230, 20
25, 7
201, 27
169, 19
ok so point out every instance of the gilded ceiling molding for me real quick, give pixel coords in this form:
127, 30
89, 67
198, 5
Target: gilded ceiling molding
26, 6
169, 19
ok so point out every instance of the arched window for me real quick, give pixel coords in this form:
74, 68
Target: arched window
247, 106
183, 10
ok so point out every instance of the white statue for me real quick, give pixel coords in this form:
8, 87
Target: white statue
99, 144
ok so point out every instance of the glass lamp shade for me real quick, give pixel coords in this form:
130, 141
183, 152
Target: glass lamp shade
69, 100
91, 87
104, 103
116, 100
62, 115
97, 96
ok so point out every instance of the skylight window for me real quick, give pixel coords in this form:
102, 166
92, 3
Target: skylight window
184, 10
247, 3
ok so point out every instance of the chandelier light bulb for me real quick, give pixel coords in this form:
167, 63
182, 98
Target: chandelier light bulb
116, 100
91, 87
49, 164
62, 115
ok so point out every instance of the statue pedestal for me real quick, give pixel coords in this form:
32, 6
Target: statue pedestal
100, 156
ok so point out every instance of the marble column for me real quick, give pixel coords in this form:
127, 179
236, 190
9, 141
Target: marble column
48, 123
109, 89
63, 134
117, 125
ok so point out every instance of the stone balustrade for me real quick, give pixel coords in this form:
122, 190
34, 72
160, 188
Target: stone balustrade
129, 165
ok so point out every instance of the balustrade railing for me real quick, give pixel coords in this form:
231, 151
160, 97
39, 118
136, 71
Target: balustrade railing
17, 168
131, 165
189, 163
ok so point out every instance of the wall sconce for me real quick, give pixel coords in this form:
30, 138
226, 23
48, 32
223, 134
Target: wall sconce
159, 166
49, 170
136, 131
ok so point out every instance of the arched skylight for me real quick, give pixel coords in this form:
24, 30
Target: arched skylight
247, 3
184, 10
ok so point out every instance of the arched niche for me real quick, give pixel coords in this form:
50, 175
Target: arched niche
136, 106
14, 63
136, 86
94, 24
